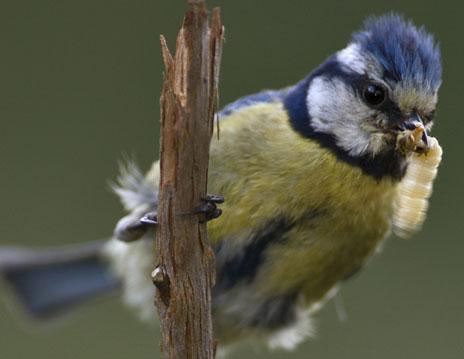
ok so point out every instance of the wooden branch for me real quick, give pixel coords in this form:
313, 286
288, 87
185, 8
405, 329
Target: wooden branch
185, 268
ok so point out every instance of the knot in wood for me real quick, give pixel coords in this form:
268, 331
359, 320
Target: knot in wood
161, 281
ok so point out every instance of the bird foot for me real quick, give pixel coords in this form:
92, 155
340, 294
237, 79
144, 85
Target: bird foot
150, 219
132, 227
209, 207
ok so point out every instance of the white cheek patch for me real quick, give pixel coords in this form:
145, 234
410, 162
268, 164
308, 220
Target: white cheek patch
320, 104
336, 110
351, 57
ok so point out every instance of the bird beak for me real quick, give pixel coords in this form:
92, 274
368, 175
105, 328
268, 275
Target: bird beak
415, 124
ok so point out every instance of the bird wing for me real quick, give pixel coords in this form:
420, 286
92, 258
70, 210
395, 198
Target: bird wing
265, 96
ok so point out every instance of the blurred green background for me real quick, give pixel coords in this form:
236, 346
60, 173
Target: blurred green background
79, 87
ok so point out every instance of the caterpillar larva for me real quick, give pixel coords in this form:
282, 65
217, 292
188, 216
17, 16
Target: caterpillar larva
416, 187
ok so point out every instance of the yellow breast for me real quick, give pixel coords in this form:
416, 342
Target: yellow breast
267, 171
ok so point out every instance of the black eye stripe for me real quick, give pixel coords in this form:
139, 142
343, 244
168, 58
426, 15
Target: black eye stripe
333, 69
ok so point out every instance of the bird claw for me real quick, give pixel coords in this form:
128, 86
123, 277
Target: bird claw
214, 198
149, 219
133, 227
209, 207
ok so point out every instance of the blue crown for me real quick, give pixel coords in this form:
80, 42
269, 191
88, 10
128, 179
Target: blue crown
406, 53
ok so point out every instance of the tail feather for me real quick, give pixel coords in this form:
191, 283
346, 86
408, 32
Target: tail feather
51, 281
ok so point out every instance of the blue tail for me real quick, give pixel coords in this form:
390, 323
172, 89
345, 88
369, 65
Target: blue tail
49, 282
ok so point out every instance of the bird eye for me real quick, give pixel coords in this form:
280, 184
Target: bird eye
374, 94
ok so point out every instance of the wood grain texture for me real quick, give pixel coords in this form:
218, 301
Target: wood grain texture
184, 269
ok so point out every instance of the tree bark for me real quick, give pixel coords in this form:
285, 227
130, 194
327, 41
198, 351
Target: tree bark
185, 270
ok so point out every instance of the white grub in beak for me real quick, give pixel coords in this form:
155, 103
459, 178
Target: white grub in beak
412, 138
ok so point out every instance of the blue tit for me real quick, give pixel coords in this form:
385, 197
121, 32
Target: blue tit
309, 173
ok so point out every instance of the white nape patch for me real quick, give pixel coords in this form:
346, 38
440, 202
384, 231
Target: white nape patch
132, 263
351, 57
336, 110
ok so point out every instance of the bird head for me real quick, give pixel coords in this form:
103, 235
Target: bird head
383, 83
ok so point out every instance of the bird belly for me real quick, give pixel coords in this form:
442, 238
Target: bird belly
334, 244
296, 219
